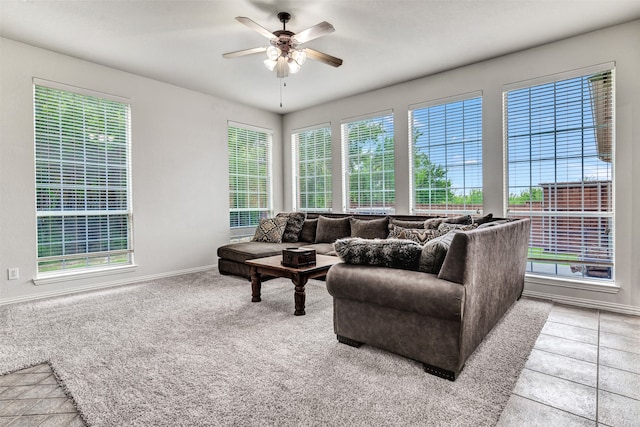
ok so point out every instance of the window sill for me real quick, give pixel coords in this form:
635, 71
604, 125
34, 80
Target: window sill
47, 279
606, 287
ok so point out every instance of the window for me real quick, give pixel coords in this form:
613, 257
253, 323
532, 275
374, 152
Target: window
368, 155
446, 157
312, 169
249, 176
83, 206
559, 138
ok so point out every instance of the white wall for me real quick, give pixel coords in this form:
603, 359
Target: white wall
617, 44
179, 168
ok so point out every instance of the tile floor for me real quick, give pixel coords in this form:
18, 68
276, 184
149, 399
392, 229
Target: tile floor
584, 370
33, 397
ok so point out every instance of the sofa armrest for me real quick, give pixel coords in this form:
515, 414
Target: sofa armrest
490, 263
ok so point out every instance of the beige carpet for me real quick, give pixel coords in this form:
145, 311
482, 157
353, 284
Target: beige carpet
194, 351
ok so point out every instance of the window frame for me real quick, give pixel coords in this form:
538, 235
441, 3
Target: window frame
444, 102
327, 162
386, 118
581, 282
92, 259
247, 229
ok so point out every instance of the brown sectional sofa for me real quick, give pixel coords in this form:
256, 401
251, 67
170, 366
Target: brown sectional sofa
435, 318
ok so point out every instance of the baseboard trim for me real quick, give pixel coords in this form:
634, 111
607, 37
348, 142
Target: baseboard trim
97, 286
586, 303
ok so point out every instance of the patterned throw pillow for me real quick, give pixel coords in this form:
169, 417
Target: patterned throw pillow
392, 253
295, 220
444, 228
270, 230
418, 235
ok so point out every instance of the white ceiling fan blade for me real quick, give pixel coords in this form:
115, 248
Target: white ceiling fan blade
255, 27
323, 57
244, 52
314, 32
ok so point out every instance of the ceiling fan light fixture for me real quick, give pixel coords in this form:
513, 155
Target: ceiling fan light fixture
299, 56
270, 64
273, 53
294, 67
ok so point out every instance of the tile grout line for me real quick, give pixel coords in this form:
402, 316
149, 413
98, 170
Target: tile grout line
552, 407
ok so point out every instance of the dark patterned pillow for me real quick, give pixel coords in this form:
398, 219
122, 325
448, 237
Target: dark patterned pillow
295, 220
392, 253
270, 230
331, 229
370, 228
418, 235
434, 252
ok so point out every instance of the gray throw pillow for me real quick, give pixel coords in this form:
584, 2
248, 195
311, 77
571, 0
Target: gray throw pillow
295, 220
370, 228
308, 233
406, 224
331, 229
433, 223
392, 253
462, 219
270, 230
434, 252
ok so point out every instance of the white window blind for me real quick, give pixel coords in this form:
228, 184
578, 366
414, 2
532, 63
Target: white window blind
249, 175
446, 150
559, 138
368, 155
83, 208
312, 169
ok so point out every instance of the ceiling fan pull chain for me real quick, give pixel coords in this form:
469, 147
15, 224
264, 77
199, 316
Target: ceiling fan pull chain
284, 84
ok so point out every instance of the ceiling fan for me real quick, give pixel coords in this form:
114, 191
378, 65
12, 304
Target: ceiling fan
283, 53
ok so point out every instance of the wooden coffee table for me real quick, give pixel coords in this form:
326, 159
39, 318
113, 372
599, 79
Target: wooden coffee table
272, 266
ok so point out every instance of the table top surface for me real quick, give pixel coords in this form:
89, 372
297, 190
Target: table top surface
323, 262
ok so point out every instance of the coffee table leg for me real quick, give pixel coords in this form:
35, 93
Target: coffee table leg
299, 295
256, 284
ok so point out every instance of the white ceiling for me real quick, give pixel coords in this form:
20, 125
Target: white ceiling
382, 42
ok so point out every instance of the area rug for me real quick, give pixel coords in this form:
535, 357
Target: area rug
193, 350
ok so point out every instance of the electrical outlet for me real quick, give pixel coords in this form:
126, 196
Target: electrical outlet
13, 273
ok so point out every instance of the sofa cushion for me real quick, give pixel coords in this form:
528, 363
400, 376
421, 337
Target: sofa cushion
392, 253
418, 235
240, 252
407, 224
331, 229
321, 248
482, 219
270, 230
434, 252
370, 228
295, 220
436, 222
308, 233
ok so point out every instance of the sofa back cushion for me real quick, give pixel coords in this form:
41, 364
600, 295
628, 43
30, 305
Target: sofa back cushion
370, 228
331, 229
